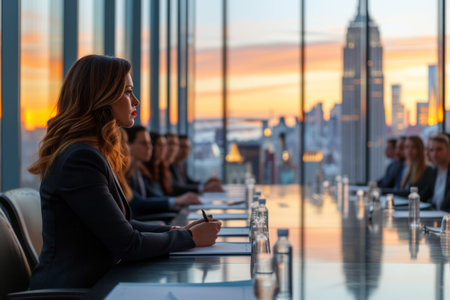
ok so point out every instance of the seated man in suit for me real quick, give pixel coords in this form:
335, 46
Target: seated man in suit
395, 151
179, 172
439, 151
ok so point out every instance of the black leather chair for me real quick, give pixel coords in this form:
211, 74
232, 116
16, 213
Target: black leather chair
23, 208
15, 271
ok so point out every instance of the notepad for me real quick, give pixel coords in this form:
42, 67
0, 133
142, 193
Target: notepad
433, 229
216, 206
224, 216
224, 248
234, 231
355, 188
238, 290
423, 214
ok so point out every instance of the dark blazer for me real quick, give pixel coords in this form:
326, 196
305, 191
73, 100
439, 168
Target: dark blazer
393, 171
425, 186
86, 224
446, 203
181, 182
148, 204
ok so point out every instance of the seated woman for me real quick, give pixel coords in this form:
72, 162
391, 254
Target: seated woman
145, 200
86, 221
416, 172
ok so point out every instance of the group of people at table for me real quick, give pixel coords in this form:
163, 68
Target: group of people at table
425, 167
95, 177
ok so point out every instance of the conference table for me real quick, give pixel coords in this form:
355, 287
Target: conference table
340, 251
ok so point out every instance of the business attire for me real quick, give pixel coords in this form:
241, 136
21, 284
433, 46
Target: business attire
441, 189
424, 184
393, 172
87, 226
146, 200
181, 182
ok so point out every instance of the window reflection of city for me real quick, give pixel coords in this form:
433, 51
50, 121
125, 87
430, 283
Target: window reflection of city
362, 249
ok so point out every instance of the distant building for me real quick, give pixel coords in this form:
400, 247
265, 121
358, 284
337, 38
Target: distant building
433, 105
353, 117
398, 110
422, 114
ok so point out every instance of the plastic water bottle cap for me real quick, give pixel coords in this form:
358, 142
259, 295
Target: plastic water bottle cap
283, 232
414, 189
255, 198
258, 194
262, 201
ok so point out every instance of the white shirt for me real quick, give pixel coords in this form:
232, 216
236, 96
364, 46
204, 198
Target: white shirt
439, 188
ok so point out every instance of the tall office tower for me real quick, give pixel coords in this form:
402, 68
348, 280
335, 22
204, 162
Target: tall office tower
433, 105
422, 114
398, 110
353, 120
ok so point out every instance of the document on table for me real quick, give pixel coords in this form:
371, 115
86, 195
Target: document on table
216, 206
238, 290
423, 214
222, 248
234, 231
402, 203
223, 216
206, 200
433, 229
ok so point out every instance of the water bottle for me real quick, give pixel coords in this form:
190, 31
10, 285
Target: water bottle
249, 191
263, 213
345, 184
282, 256
253, 207
339, 187
260, 244
414, 207
264, 281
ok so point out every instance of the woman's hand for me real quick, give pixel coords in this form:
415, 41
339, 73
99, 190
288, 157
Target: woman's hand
205, 233
210, 218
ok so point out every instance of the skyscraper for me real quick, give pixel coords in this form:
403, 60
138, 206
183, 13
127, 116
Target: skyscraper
353, 120
432, 95
422, 114
398, 110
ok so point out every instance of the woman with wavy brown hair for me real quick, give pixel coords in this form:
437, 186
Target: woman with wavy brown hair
87, 227
416, 172
158, 167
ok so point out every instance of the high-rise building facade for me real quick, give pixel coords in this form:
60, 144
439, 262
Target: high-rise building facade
433, 105
354, 112
398, 110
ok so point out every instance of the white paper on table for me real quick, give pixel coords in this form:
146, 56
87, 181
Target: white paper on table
206, 200
423, 214
433, 229
238, 290
216, 206
234, 231
402, 201
223, 216
221, 248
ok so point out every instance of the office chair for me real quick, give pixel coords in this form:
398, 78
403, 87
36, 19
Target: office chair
23, 208
15, 271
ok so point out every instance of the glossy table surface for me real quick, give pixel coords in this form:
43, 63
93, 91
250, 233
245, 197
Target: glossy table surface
340, 251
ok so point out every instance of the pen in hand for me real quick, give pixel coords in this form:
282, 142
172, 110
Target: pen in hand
204, 216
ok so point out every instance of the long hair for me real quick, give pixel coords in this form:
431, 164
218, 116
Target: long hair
132, 133
418, 166
84, 113
159, 171
121, 176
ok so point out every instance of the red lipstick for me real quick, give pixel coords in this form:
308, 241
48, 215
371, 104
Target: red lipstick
134, 113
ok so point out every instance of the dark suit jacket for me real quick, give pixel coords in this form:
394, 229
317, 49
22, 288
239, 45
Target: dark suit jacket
181, 182
393, 171
425, 186
446, 203
86, 224
148, 204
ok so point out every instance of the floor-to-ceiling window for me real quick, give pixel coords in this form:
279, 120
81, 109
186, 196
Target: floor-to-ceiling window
263, 91
207, 145
90, 27
41, 75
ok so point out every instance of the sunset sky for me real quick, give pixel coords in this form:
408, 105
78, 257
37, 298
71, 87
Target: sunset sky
263, 55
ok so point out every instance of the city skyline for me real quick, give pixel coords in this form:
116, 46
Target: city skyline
259, 72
